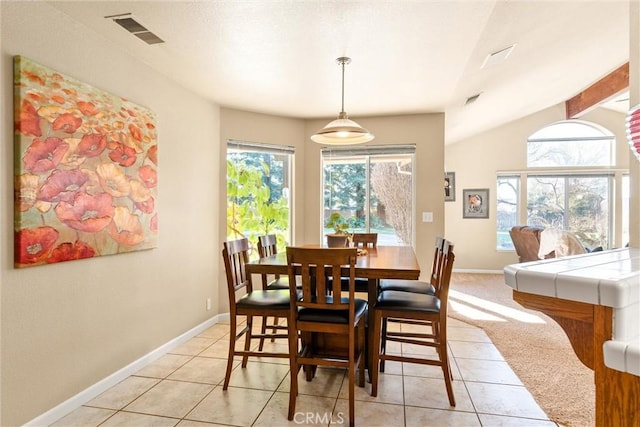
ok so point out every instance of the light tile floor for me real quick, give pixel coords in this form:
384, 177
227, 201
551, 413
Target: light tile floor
184, 388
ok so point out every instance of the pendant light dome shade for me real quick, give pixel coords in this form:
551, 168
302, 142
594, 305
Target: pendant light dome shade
342, 131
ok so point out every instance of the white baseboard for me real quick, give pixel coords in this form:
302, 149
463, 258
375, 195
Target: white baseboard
96, 389
465, 270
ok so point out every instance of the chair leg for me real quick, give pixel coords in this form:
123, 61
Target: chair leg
232, 346
352, 379
446, 367
383, 342
247, 340
263, 331
363, 353
293, 371
276, 319
376, 351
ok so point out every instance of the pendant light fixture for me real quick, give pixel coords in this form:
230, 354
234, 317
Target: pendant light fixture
342, 131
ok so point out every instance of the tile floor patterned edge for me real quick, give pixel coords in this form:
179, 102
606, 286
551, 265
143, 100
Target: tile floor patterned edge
184, 388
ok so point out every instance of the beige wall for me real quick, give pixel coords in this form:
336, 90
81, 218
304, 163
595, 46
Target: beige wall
477, 159
426, 131
66, 326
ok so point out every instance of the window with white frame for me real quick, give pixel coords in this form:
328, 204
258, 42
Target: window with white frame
258, 191
372, 187
569, 184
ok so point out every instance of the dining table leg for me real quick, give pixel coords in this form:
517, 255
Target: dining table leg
372, 297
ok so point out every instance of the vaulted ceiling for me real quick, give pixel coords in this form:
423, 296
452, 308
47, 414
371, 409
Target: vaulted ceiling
278, 57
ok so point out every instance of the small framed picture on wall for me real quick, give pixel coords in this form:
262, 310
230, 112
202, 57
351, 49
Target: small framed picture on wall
475, 203
450, 187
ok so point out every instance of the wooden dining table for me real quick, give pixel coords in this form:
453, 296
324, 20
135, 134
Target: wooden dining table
383, 262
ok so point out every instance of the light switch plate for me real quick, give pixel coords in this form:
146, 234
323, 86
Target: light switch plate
427, 216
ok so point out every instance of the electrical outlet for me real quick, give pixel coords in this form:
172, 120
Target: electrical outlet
208, 304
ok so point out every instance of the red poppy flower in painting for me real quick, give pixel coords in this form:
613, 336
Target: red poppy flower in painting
91, 145
33, 245
71, 251
29, 122
63, 186
67, 122
87, 108
113, 180
148, 175
146, 206
153, 225
126, 228
135, 132
123, 155
42, 156
152, 154
86, 213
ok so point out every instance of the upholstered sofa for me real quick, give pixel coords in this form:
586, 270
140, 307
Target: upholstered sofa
534, 243
526, 240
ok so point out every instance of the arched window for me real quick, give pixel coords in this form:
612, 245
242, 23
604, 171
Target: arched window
569, 184
571, 143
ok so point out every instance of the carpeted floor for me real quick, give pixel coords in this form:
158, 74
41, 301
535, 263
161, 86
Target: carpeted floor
534, 345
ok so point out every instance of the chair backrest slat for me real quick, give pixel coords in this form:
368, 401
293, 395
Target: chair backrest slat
267, 246
315, 265
438, 258
442, 292
365, 240
236, 255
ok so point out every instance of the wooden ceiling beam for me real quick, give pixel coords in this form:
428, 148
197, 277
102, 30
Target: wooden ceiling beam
607, 87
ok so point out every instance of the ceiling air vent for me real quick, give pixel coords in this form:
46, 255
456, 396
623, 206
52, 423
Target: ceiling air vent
131, 24
472, 99
498, 56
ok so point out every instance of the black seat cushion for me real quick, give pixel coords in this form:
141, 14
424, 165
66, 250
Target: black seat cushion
361, 285
277, 298
332, 316
283, 283
399, 300
407, 286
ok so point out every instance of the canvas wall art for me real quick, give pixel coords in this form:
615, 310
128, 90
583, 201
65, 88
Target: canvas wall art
86, 176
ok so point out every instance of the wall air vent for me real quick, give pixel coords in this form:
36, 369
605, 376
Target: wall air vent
131, 24
472, 99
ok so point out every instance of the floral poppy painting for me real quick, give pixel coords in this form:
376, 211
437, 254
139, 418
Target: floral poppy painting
86, 169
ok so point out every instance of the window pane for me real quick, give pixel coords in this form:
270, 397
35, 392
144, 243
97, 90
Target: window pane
579, 204
345, 190
258, 201
373, 191
570, 143
546, 202
507, 210
588, 210
391, 204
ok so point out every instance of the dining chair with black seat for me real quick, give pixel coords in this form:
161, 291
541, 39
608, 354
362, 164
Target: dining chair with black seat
409, 307
362, 241
418, 286
268, 246
330, 326
251, 303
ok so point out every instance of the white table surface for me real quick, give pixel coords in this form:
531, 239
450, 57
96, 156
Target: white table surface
608, 278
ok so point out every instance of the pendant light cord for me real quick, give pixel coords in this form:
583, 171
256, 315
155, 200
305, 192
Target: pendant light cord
342, 87
343, 60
